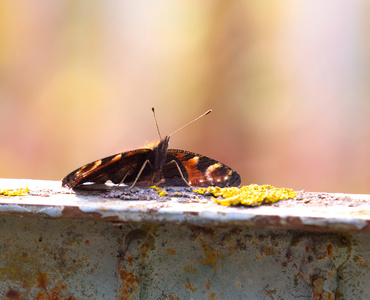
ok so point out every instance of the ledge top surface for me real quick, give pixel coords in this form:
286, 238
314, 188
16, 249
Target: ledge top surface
308, 211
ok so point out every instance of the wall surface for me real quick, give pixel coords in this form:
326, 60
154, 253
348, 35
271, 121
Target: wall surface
60, 244
71, 259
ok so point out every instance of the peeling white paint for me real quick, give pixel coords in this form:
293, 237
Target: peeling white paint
49, 198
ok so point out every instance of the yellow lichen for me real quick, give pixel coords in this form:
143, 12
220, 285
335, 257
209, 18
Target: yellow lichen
251, 195
14, 192
161, 192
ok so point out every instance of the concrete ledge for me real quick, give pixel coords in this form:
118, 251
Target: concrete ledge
308, 211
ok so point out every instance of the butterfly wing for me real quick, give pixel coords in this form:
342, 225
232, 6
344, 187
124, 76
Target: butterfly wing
113, 168
198, 170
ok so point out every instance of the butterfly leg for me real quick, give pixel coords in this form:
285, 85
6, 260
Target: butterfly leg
138, 175
122, 180
178, 167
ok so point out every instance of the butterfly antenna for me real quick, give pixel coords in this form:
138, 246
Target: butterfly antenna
156, 123
201, 116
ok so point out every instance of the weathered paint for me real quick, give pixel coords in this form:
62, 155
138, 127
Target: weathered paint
42, 258
48, 199
58, 247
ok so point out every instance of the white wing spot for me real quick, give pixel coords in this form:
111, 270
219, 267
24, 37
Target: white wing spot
210, 170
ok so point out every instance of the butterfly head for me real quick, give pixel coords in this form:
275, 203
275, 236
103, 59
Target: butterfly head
157, 144
160, 153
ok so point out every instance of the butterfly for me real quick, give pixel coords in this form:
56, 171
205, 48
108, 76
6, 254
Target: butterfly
157, 165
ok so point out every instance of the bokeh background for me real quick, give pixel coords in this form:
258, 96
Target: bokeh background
288, 82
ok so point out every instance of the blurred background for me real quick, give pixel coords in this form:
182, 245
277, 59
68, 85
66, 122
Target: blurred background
288, 83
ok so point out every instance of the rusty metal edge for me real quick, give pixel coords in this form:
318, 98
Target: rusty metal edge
64, 204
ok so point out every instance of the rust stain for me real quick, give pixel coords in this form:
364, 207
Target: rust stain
207, 285
171, 251
267, 250
62, 287
270, 292
42, 280
73, 211
129, 281
210, 254
111, 219
76, 213
318, 289
329, 250
130, 260
361, 262
192, 213
13, 294
190, 286
212, 296
41, 296
274, 222
267, 221
190, 269
15, 267
53, 295
366, 228
200, 232
294, 222
145, 247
